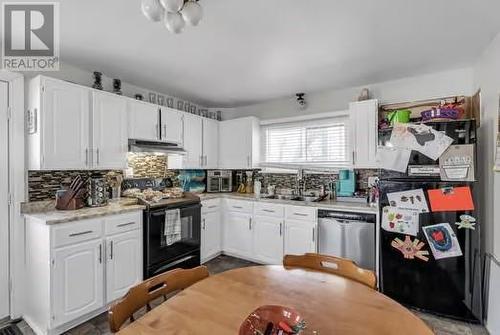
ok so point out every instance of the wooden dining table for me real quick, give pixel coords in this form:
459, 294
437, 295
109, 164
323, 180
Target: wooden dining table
329, 304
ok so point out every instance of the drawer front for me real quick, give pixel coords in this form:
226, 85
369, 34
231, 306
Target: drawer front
209, 206
77, 231
122, 223
271, 210
239, 206
301, 213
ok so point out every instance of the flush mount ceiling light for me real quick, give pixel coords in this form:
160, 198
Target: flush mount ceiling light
175, 14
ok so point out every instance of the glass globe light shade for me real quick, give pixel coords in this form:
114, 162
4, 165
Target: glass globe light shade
152, 10
192, 13
172, 6
174, 22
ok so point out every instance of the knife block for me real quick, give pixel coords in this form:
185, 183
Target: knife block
74, 204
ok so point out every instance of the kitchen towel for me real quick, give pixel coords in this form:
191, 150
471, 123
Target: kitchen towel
172, 226
450, 199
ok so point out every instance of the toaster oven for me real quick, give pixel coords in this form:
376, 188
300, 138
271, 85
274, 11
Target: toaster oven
219, 181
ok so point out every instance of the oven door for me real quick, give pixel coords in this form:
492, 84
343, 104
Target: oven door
225, 184
214, 184
157, 250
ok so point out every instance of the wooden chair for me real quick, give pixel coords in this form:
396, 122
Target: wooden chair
142, 294
335, 265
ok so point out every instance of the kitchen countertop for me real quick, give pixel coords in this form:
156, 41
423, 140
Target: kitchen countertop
325, 204
46, 211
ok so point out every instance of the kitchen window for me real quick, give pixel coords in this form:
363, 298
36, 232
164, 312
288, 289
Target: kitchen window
314, 143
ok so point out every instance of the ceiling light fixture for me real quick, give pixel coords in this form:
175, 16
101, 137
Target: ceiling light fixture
175, 14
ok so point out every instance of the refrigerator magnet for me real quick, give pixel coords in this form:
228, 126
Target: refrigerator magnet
451, 199
411, 249
466, 222
442, 240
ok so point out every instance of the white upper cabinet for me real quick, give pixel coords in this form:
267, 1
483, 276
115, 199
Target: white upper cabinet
239, 143
193, 128
364, 133
58, 127
110, 140
143, 121
172, 125
210, 144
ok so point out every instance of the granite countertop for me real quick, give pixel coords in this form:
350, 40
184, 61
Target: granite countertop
46, 211
325, 204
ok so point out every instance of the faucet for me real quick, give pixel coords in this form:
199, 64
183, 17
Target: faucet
299, 179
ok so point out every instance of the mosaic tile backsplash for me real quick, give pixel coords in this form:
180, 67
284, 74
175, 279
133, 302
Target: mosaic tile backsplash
312, 181
42, 185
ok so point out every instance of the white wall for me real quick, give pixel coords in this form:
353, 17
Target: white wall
487, 77
83, 77
436, 85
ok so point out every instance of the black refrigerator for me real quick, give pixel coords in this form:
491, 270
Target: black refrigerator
450, 287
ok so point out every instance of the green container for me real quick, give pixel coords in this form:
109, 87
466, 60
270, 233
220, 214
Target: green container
399, 116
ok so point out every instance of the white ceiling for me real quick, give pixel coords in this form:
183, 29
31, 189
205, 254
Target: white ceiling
249, 51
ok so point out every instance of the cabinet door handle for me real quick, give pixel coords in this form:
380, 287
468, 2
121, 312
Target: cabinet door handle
214, 206
281, 228
111, 249
125, 224
206, 160
164, 130
157, 132
201, 160
268, 210
237, 207
314, 234
100, 253
98, 156
354, 157
81, 233
204, 224
87, 157
300, 214
250, 224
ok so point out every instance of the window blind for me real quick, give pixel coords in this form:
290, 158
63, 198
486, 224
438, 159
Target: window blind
322, 142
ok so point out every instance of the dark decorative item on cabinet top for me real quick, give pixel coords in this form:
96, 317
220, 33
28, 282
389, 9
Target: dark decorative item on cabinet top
364, 95
161, 100
301, 100
117, 86
192, 109
139, 97
180, 105
97, 80
152, 98
170, 102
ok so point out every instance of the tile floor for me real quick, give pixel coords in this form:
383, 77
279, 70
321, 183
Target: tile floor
99, 325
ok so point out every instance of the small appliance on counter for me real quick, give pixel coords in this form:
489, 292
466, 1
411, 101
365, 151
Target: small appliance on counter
219, 181
97, 192
346, 184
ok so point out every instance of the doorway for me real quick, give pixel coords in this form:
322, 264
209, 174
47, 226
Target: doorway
4, 198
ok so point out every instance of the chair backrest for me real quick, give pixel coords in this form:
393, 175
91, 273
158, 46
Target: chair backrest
331, 264
142, 294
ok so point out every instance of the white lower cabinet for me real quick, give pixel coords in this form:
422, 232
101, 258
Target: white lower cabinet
268, 240
210, 235
76, 269
238, 234
78, 277
124, 263
300, 237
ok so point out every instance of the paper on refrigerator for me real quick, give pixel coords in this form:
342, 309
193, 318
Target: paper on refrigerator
442, 240
395, 159
399, 220
421, 138
410, 200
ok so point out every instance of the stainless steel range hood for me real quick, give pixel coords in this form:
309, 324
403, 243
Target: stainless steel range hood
155, 147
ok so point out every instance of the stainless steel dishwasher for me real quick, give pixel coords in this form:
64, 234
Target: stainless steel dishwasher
348, 235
